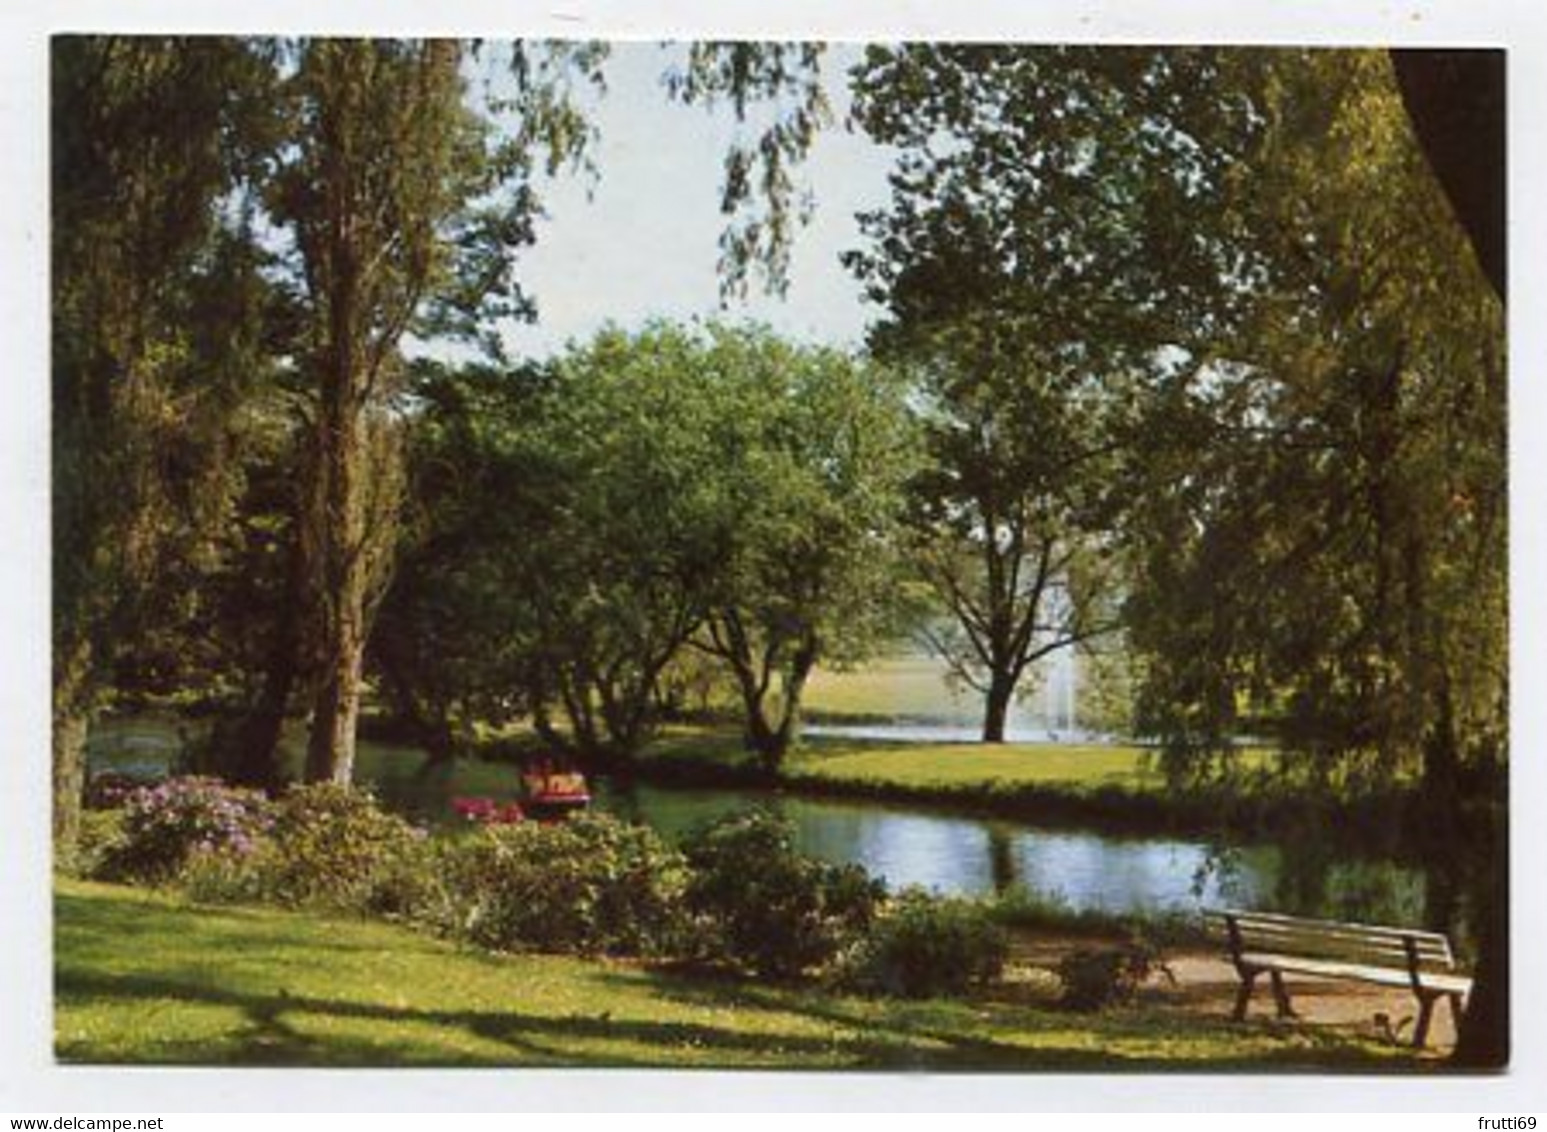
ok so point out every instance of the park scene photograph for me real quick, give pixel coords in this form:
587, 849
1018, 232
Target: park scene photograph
750, 555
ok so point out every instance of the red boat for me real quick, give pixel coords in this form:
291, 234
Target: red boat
552, 791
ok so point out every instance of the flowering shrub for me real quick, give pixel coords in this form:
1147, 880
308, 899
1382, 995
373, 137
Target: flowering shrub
764, 905
334, 846
486, 811
924, 945
590, 884
111, 789
163, 825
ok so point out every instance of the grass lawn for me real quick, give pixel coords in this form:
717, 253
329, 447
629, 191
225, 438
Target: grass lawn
911, 685
880, 763
961, 764
147, 978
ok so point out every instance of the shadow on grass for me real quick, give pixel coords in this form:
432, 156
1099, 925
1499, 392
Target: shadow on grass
269, 1037
774, 1027
917, 1034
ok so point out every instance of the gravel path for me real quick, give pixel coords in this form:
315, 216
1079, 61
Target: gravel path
1206, 982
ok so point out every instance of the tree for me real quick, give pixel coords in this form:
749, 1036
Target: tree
1313, 371
405, 208
813, 450
581, 528
559, 552
1345, 455
1039, 259
453, 640
1010, 522
153, 292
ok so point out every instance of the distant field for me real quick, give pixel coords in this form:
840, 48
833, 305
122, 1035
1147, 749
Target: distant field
912, 686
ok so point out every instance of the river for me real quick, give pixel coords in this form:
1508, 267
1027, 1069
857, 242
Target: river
945, 851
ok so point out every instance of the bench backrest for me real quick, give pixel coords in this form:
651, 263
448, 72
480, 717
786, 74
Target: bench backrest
1366, 944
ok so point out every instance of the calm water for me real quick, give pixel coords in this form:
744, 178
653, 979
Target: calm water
972, 856
959, 854
946, 852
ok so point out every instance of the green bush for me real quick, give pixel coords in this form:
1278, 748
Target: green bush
333, 846
592, 884
101, 835
165, 824
764, 906
223, 877
927, 946
1095, 978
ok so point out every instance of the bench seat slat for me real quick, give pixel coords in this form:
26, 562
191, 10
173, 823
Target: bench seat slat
1291, 934
1262, 922
1330, 925
1298, 964
1336, 948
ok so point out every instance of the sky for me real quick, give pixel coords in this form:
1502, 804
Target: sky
640, 241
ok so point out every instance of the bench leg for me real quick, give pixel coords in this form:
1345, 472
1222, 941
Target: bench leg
1281, 997
1455, 1012
1425, 1016
1243, 993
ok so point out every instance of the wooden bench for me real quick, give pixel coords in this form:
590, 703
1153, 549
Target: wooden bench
1264, 942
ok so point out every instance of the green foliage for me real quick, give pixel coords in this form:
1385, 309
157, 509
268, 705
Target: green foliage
155, 301
1345, 454
454, 639
224, 877
1039, 269
785, 77
644, 486
333, 846
767, 907
1095, 978
163, 826
589, 884
813, 451
100, 839
928, 946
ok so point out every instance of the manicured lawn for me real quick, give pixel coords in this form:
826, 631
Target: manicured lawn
961, 764
879, 763
143, 977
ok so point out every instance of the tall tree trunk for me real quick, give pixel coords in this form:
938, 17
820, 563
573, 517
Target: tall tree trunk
1484, 1039
343, 557
71, 720
256, 761
257, 754
996, 706
330, 751
771, 740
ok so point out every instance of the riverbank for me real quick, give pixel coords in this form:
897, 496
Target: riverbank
147, 978
1118, 789
1105, 788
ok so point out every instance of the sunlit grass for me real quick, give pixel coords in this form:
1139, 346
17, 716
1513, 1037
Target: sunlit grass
891, 687
957, 764
146, 978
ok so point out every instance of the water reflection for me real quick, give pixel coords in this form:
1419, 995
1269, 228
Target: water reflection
972, 856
